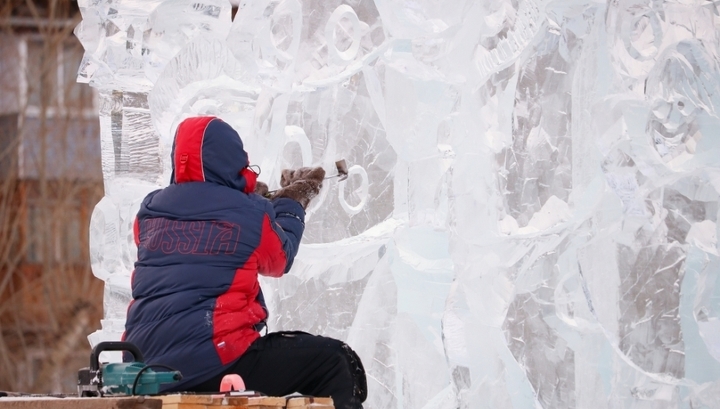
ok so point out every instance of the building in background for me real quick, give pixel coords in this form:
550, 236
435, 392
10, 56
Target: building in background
50, 181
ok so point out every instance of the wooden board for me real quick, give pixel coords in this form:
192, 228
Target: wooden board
266, 402
310, 403
225, 402
183, 401
79, 403
178, 401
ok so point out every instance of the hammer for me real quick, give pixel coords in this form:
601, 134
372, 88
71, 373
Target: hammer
342, 171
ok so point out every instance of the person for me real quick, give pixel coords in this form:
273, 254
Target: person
202, 241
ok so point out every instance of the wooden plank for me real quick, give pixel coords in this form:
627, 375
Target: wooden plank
236, 401
190, 401
184, 406
187, 399
265, 402
304, 402
79, 403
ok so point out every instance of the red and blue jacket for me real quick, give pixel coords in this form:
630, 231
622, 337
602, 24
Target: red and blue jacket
202, 241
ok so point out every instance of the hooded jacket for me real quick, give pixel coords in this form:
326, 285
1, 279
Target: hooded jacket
202, 241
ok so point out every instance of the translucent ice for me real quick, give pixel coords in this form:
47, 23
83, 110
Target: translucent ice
531, 217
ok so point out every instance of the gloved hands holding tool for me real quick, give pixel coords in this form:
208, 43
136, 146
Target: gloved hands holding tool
301, 185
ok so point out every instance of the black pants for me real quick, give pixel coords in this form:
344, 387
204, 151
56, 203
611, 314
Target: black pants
281, 363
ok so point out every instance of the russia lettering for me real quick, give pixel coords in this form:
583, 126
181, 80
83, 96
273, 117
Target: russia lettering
186, 237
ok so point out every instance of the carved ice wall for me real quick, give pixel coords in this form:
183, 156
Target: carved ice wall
531, 219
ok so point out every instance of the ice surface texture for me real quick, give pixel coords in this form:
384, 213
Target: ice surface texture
531, 215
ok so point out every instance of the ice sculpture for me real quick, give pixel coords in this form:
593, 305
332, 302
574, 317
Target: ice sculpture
531, 216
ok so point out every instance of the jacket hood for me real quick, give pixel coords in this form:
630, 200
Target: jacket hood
206, 149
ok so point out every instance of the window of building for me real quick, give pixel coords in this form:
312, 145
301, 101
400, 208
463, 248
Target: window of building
8, 145
48, 78
60, 226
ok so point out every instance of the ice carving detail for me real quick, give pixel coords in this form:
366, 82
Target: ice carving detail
531, 213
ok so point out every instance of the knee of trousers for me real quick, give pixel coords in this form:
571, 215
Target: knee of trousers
355, 371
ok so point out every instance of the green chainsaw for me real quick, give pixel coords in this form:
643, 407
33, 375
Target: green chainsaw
127, 378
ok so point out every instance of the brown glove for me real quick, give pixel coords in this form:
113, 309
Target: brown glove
302, 191
288, 176
301, 185
261, 189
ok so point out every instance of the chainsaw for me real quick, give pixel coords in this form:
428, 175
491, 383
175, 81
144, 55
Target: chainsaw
127, 378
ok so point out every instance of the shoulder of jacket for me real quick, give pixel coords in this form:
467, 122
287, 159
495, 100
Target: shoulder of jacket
149, 197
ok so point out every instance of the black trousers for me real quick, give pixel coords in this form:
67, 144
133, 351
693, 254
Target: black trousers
282, 363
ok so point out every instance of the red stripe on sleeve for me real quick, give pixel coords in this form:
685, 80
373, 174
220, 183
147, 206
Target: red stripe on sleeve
271, 257
188, 149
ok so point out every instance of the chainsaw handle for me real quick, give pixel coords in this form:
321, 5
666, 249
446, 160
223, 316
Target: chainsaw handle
113, 346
